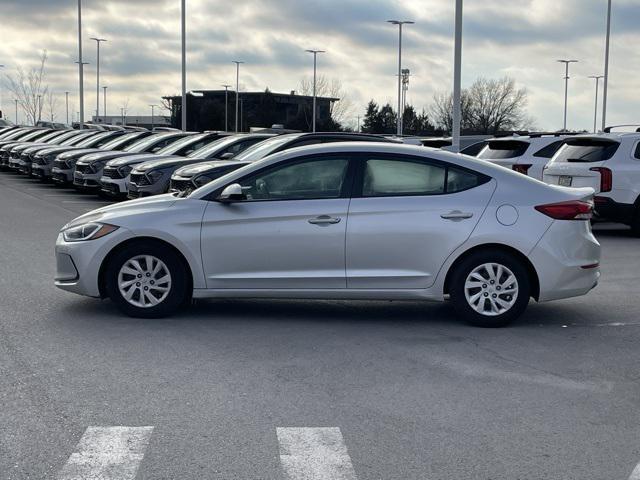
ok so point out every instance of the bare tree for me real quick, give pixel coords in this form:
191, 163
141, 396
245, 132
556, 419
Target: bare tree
341, 109
488, 106
29, 89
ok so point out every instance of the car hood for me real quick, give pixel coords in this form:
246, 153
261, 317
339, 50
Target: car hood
194, 170
134, 158
78, 153
21, 147
168, 162
53, 150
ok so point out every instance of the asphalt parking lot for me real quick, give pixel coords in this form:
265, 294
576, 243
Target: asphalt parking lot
249, 389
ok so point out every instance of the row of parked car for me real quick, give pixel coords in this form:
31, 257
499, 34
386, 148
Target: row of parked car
137, 163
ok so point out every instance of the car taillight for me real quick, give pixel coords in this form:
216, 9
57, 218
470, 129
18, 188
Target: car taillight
571, 210
523, 168
606, 178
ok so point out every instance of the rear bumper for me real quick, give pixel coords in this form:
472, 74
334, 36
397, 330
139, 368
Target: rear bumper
567, 259
608, 209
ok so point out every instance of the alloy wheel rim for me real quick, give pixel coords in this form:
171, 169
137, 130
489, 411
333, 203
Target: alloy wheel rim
491, 289
144, 281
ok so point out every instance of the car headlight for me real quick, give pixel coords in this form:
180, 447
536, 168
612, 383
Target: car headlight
154, 176
125, 170
202, 180
87, 231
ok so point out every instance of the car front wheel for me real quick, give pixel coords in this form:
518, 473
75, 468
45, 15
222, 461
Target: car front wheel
147, 281
490, 289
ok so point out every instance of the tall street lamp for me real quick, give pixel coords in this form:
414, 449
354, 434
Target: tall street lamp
104, 101
66, 105
237, 89
595, 114
16, 100
400, 23
226, 107
39, 108
315, 56
184, 65
80, 66
152, 117
1, 66
605, 89
566, 89
98, 40
457, 79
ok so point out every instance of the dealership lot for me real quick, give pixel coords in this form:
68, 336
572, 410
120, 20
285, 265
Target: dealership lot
253, 389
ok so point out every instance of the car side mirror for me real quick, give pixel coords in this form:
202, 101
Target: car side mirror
231, 193
226, 156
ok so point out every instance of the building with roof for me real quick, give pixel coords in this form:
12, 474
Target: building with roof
206, 110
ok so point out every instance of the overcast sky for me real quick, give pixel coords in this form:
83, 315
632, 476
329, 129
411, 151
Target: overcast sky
520, 38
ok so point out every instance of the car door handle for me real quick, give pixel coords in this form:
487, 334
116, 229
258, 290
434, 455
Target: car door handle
456, 215
324, 220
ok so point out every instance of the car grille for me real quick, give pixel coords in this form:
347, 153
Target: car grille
40, 160
111, 172
61, 164
25, 157
139, 179
81, 168
181, 186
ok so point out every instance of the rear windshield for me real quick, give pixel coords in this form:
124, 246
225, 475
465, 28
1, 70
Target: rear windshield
550, 150
504, 149
474, 149
586, 150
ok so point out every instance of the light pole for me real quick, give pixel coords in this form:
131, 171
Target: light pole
104, 100
566, 89
400, 23
66, 105
226, 107
1, 112
405, 87
39, 108
457, 79
595, 115
152, 107
184, 66
80, 66
605, 89
315, 57
98, 40
122, 116
237, 89
16, 100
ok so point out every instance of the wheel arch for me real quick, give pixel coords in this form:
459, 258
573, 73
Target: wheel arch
140, 240
533, 274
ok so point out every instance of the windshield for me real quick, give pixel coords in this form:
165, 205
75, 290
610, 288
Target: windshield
59, 140
262, 149
87, 142
586, 150
116, 142
180, 144
148, 142
504, 149
77, 139
208, 150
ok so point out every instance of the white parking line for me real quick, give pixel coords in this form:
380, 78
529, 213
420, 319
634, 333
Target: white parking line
84, 202
635, 475
107, 453
314, 454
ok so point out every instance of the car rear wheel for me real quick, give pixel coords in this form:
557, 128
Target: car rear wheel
147, 281
635, 223
490, 288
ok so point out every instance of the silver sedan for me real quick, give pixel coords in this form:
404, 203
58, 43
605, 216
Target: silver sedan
345, 220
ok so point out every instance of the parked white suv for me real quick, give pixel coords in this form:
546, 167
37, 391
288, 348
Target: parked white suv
609, 163
526, 154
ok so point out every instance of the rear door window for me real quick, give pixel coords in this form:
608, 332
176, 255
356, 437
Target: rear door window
586, 150
550, 150
504, 149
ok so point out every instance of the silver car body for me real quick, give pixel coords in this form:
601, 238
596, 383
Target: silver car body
398, 247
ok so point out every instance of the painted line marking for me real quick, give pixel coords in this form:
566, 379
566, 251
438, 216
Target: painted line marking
635, 475
314, 454
107, 453
85, 202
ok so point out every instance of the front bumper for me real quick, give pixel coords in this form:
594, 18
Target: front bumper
78, 263
40, 171
567, 260
61, 176
115, 187
86, 180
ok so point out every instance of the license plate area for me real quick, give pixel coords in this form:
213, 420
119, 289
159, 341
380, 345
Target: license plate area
565, 180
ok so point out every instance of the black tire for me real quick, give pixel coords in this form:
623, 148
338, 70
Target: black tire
457, 288
179, 292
